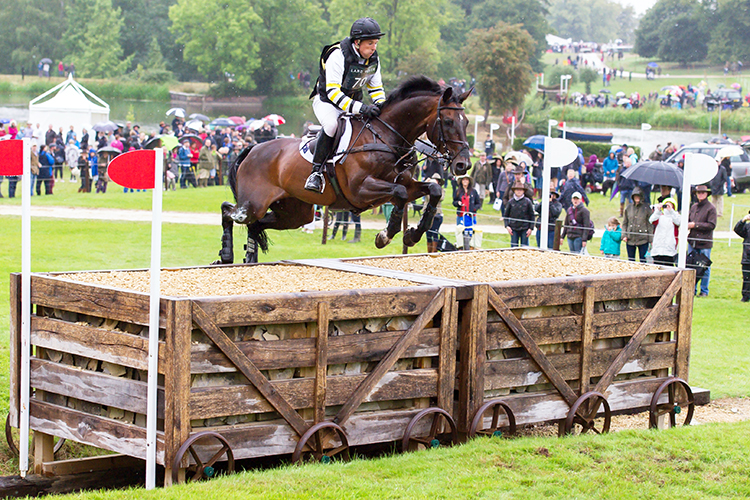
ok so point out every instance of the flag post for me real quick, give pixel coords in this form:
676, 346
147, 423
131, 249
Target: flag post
23, 448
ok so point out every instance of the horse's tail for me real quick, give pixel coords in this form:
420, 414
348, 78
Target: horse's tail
232, 174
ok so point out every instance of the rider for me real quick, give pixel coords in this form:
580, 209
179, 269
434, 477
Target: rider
345, 68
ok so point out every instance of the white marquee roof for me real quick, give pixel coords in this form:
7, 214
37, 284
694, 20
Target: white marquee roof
69, 96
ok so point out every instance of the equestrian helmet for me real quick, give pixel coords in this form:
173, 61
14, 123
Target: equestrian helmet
365, 28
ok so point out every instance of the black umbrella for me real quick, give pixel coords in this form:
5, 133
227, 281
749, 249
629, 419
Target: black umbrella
194, 139
108, 126
108, 150
46, 60
198, 116
659, 173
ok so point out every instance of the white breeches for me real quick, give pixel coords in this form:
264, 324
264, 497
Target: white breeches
327, 114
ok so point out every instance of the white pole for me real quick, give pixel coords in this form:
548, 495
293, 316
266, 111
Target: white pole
512, 130
476, 129
686, 186
546, 174
23, 438
153, 320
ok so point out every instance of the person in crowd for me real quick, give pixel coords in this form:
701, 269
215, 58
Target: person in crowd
609, 246
702, 222
93, 162
103, 178
346, 68
84, 143
609, 169
466, 199
84, 172
489, 146
504, 179
537, 171
555, 209
636, 228
577, 219
183, 159
13, 130
71, 136
572, 185
72, 154
718, 187
46, 164
519, 176
58, 153
518, 216
666, 221
482, 175
588, 176
433, 234
742, 228
205, 164
34, 167
625, 185
50, 136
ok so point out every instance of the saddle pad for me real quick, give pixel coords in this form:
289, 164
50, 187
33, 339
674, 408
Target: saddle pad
341, 147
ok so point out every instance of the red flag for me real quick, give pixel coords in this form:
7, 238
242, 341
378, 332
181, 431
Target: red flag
134, 169
11, 157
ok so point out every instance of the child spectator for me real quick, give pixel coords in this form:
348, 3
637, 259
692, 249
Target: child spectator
611, 239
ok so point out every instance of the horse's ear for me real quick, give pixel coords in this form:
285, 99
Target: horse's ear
447, 94
465, 95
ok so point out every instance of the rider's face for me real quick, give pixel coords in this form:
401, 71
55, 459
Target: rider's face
367, 48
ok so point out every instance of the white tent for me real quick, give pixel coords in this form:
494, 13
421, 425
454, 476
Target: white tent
66, 104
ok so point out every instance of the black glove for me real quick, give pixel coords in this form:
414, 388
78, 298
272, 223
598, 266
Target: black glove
369, 111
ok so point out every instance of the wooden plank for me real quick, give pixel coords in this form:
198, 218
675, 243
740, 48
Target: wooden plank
38, 486
248, 369
94, 300
14, 350
557, 329
91, 386
472, 340
586, 339
90, 464
106, 345
321, 363
510, 373
295, 307
528, 343
100, 432
297, 353
435, 305
352, 265
569, 290
635, 341
447, 357
179, 325
209, 402
44, 450
683, 330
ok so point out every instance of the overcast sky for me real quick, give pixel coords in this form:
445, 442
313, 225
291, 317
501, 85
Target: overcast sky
640, 6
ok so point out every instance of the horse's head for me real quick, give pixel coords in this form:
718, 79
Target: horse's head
448, 130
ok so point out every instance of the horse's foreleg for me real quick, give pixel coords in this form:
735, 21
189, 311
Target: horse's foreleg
399, 200
226, 254
413, 235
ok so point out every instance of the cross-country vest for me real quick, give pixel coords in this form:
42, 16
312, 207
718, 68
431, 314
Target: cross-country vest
356, 75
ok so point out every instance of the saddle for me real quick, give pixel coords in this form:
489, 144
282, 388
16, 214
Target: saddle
341, 139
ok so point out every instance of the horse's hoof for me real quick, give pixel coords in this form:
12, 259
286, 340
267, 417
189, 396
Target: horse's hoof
381, 240
410, 238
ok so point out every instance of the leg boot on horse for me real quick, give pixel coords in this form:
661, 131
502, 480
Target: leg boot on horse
316, 181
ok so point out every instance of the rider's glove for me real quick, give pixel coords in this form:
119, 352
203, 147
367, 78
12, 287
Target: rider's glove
369, 111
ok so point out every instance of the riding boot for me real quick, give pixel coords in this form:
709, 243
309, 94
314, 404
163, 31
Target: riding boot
357, 234
316, 181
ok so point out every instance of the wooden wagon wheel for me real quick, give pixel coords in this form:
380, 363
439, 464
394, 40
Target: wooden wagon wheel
433, 439
318, 451
494, 429
680, 399
201, 470
586, 417
12, 444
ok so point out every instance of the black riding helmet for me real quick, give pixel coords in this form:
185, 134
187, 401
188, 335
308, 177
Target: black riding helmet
365, 28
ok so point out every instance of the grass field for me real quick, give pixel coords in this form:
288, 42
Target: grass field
710, 460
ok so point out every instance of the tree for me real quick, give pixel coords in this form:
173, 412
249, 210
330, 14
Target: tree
683, 40
499, 60
649, 35
92, 38
730, 38
588, 76
591, 20
30, 30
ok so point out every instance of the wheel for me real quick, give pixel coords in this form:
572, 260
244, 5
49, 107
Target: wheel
435, 437
322, 449
12, 444
494, 430
583, 414
200, 470
680, 401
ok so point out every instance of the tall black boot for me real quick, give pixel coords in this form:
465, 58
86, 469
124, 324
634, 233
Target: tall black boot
316, 181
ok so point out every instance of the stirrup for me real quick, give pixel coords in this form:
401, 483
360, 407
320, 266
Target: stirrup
316, 182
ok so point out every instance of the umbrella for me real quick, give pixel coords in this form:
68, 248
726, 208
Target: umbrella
109, 150
255, 124
46, 60
4, 121
177, 112
535, 142
222, 122
162, 141
727, 151
275, 119
623, 101
198, 116
605, 91
194, 139
237, 119
652, 65
620, 94
660, 173
520, 157
718, 140
108, 126
736, 86
196, 125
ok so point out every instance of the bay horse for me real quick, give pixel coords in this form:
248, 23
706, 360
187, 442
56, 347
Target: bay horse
267, 180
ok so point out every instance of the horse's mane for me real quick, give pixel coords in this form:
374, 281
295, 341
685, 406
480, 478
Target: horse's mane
414, 86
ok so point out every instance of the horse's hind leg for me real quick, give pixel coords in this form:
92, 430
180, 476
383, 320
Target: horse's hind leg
226, 254
289, 213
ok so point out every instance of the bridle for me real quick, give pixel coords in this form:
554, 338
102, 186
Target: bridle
442, 142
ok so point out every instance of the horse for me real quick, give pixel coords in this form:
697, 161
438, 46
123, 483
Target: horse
267, 180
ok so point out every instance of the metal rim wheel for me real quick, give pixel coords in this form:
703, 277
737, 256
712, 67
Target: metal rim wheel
433, 438
201, 470
680, 400
318, 451
12, 444
494, 430
586, 417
